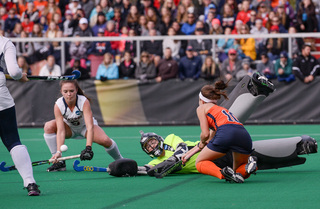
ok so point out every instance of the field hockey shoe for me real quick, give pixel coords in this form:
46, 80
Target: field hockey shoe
231, 176
59, 166
251, 166
33, 189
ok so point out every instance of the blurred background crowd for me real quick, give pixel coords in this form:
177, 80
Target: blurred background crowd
168, 58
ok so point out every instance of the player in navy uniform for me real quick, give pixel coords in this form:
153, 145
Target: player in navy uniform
73, 117
8, 124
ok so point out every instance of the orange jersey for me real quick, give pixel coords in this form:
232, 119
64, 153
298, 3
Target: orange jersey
218, 116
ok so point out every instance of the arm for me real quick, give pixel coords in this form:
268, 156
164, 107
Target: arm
113, 72
205, 132
11, 61
87, 113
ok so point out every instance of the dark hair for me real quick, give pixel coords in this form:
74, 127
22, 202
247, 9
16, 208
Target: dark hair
75, 82
214, 92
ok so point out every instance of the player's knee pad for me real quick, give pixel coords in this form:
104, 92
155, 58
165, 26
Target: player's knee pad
123, 167
278, 153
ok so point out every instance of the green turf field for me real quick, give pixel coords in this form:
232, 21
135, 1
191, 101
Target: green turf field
292, 187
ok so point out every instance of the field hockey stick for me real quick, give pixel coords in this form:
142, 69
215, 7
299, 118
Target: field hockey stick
75, 75
36, 163
88, 168
168, 170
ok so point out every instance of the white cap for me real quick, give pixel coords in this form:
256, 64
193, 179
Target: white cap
83, 21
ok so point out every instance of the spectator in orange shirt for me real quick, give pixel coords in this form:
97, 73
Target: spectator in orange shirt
40, 5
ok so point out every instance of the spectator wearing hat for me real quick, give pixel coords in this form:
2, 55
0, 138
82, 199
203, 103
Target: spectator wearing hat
84, 30
207, 5
305, 66
99, 48
216, 27
246, 70
231, 66
259, 29
283, 68
190, 65
100, 23
266, 66
213, 9
189, 27
244, 14
201, 47
275, 45
27, 25
74, 23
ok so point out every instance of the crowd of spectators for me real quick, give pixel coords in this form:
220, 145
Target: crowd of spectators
169, 58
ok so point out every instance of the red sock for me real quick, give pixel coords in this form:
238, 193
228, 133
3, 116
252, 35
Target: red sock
242, 170
209, 168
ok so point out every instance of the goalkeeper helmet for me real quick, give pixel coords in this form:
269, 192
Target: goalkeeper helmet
148, 140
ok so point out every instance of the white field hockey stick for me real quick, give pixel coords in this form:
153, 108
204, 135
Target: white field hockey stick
75, 75
41, 162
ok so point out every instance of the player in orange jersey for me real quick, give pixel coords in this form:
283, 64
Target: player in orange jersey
221, 131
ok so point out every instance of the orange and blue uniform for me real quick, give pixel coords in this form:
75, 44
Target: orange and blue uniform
230, 133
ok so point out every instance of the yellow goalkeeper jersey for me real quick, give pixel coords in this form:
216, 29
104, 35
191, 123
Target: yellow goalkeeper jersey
170, 144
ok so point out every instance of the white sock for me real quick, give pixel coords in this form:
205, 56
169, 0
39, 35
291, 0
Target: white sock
113, 151
22, 162
51, 140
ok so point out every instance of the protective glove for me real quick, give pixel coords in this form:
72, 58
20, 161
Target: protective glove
86, 154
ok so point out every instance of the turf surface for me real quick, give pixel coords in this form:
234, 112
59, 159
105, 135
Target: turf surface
292, 187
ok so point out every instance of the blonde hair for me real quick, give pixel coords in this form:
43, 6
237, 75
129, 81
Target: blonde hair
213, 66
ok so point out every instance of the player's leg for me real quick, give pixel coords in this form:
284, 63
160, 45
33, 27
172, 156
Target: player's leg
50, 136
19, 153
247, 96
283, 152
239, 163
100, 137
205, 165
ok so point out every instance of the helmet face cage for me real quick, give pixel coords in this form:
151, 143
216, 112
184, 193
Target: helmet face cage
145, 138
